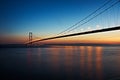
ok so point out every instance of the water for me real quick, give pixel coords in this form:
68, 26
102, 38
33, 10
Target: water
60, 63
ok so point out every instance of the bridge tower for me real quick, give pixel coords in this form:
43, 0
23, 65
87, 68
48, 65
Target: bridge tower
30, 38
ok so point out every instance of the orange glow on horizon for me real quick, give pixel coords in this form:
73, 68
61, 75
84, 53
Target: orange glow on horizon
102, 38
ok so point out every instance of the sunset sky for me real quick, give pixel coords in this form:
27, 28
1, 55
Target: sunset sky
46, 18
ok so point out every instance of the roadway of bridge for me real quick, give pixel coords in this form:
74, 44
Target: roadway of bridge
81, 33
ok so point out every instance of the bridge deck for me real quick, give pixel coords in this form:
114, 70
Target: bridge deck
81, 33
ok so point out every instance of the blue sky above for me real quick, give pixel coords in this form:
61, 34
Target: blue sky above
43, 17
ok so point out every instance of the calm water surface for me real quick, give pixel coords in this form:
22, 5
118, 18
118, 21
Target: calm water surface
60, 63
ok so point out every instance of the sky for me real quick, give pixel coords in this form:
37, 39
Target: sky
46, 18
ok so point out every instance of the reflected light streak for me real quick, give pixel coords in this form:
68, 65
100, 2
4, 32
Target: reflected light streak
82, 61
69, 54
69, 59
54, 58
118, 59
99, 69
90, 67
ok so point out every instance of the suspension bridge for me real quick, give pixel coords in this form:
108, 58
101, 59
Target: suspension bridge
95, 14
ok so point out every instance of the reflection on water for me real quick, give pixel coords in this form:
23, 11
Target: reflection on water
63, 63
29, 57
99, 69
89, 59
82, 61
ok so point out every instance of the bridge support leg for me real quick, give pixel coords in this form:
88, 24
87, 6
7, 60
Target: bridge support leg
30, 38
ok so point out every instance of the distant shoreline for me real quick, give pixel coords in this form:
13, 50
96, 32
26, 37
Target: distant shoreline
53, 45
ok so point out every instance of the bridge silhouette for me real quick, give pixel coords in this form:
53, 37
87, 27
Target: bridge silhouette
85, 22
81, 33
